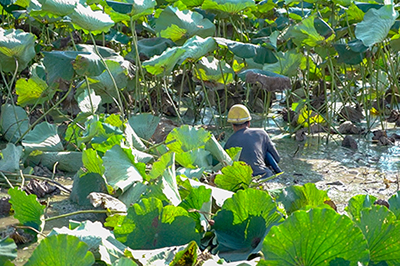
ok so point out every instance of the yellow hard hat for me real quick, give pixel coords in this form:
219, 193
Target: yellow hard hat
238, 114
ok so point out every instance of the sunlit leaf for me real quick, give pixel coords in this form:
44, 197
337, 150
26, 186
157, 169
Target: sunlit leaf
197, 47
88, 65
88, 20
358, 203
394, 204
59, 7
234, 177
27, 209
32, 91
164, 63
305, 33
232, 7
10, 157
16, 46
84, 184
60, 250
211, 69
287, 65
315, 237
149, 47
186, 138
134, 9
88, 101
59, 65
188, 256
376, 25
43, 137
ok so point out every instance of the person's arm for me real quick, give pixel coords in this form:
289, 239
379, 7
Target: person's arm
272, 150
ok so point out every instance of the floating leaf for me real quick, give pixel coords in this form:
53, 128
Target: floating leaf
32, 91
315, 237
121, 170
60, 250
149, 225
297, 197
243, 222
376, 25
179, 25
234, 177
44, 137
88, 20
10, 157
382, 231
27, 209
14, 122
16, 45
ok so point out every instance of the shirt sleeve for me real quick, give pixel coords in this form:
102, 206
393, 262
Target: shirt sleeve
271, 149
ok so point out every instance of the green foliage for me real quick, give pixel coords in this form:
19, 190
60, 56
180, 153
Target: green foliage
44, 137
8, 251
32, 91
10, 157
234, 177
13, 121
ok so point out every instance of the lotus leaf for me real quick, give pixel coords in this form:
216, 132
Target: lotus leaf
213, 146
88, 101
164, 162
376, 25
144, 124
287, 64
186, 138
104, 145
10, 157
315, 237
60, 250
150, 47
358, 203
164, 63
132, 138
169, 186
230, 7
8, 251
100, 241
196, 158
67, 161
121, 170
188, 256
117, 37
92, 162
234, 177
305, 33
210, 68
149, 225
13, 121
179, 25
105, 52
382, 231
59, 7
197, 47
243, 222
88, 65
347, 55
124, 261
133, 194
198, 199
27, 209
394, 204
43, 137
32, 91
134, 9
84, 184
305, 197
16, 46
59, 65
88, 20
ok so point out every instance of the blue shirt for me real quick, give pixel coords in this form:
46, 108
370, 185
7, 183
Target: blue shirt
255, 144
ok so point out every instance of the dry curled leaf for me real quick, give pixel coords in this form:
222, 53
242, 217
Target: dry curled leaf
348, 128
267, 83
106, 201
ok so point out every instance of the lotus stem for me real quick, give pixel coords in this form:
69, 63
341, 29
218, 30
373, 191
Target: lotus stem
8, 181
82, 212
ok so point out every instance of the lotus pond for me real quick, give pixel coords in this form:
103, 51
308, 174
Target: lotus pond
113, 123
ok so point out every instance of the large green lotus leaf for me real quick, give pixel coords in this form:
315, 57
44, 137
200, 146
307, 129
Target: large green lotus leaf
88, 65
218, 194
149, 225
88, 20
287, 65
192, 3
188, 256
16, 45
10, 157
88, 101
382, 231
170, 186
121, 170
92, 162
347, 55
164, 162
132, 138
32, 91
27, 209
43, 137
199, 199
144, 124
59, 7
84, 184
196, 158
234, 177
394, 204
99, 240
315, 237
305, 34
376, 25
105, 52
150, 47
13, 121
67, 161
133, 194
197, 47
358, 203
186, 138
215, 148
8, 251
232, 7
124, 261
61, 250
297, 197
164, 63
97, 131
59, 65
103, 84
179, 25
210, 68
259, 53
243, 222
134, 9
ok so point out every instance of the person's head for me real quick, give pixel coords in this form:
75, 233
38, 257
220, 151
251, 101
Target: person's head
239, 116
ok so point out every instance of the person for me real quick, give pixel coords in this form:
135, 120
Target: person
258, 151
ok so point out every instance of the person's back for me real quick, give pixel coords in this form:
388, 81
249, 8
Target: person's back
255, 143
